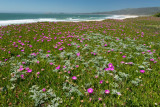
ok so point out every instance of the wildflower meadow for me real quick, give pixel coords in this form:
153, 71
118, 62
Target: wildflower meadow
108, 63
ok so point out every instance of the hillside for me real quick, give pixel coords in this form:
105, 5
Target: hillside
133, 11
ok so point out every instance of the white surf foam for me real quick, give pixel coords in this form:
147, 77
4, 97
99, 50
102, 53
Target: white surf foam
121, 17
23, 21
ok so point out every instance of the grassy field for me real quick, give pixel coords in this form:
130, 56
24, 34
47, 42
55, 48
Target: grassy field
87, 64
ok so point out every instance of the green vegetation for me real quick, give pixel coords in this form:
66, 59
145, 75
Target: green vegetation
104, 63
157, 15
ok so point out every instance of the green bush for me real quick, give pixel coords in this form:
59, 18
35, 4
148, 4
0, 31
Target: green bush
157, 15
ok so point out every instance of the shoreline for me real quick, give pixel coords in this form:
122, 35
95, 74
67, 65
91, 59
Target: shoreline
25, 21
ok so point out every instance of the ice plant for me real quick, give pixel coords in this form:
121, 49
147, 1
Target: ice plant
78, 54
23, 62
51, 63
105, 45
43, 89
123, 56
74, 77
58, 67
142, 71
27, 68
22, 76
90, 90
29, 71
155, 61
21, 69
122, 62
110, 65
99, 99
38, 73
60, 49
107, 91
151, 59
96, 76
101, 82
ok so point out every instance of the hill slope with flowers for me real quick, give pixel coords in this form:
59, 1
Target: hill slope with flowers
103, 63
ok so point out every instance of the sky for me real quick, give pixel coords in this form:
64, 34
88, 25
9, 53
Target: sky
71, 6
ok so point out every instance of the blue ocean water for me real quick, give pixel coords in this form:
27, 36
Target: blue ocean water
20, 18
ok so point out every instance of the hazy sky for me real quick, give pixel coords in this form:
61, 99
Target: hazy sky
72, 6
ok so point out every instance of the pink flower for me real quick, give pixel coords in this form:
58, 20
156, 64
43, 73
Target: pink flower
58, 67
110, 65
143, 52
124, 56
77, 66
142, 71
78, 54
69, 72
105, 45
21, 66
99, 99
38, 73
23, 62
101, 82
43, 89
60, 49
22, 76
107, 69
90, 90
18, 55
21, 69
155, 61
122, 62
27, 68
29, 71
51, 63
74, 77
111, 69
142, 33
149, 51
107, 91
96, 76
151, 59
37, 62
130, 63
33, 54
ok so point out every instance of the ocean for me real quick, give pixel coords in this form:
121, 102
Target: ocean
21, 18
